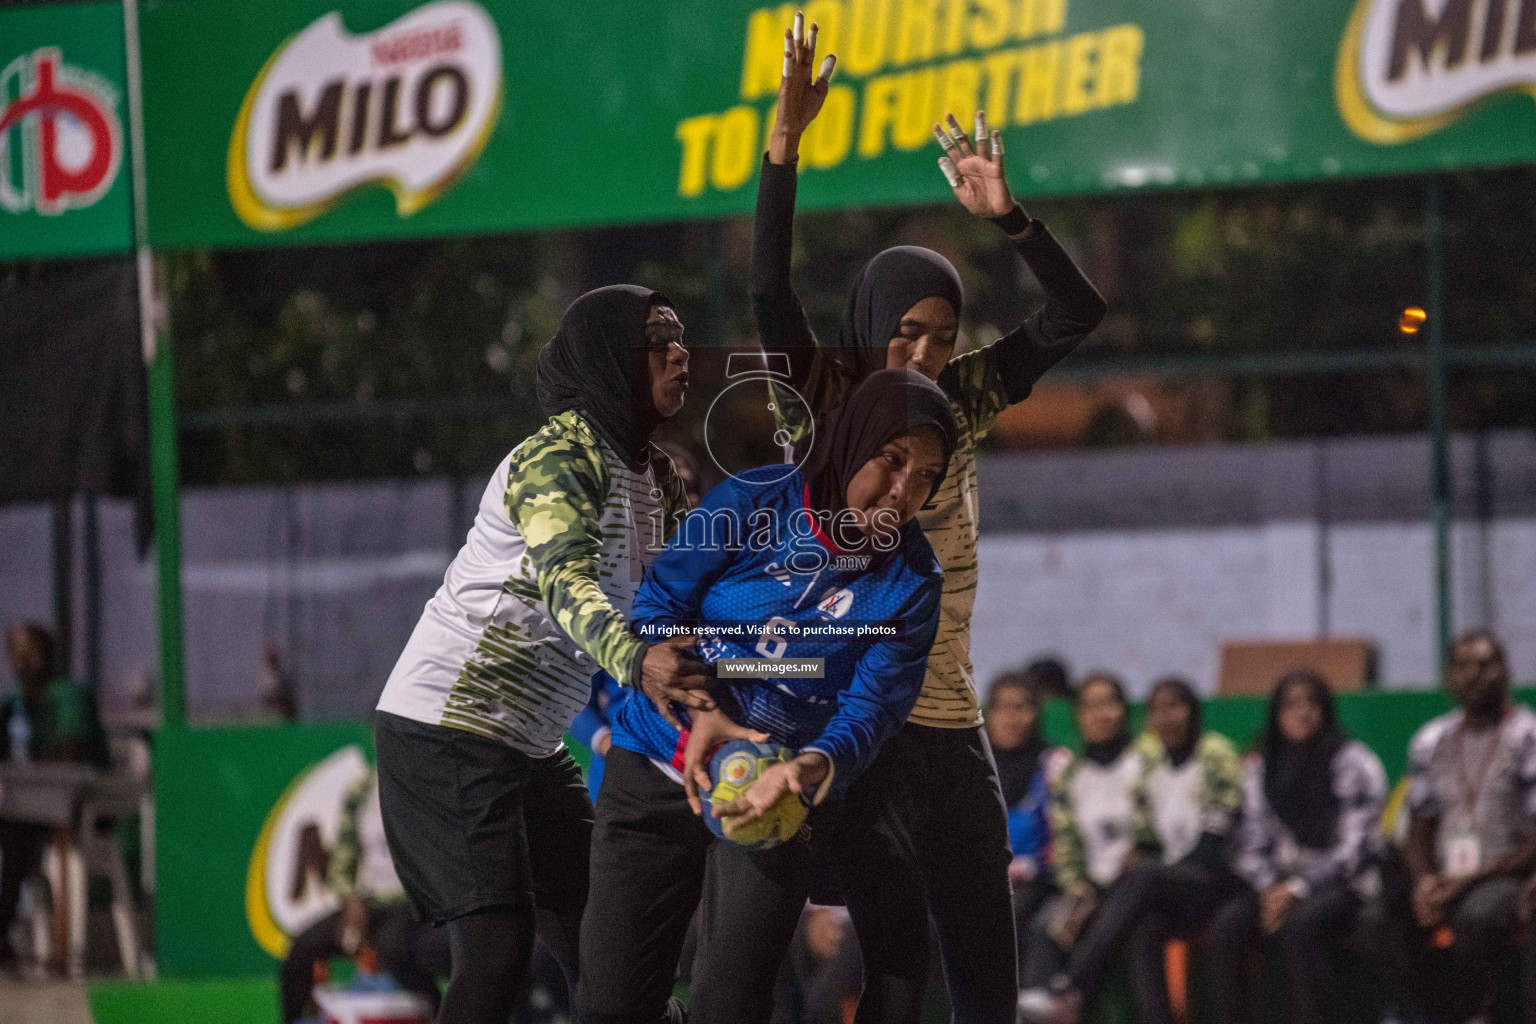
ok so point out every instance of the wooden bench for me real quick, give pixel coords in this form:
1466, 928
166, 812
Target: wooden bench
1252, 667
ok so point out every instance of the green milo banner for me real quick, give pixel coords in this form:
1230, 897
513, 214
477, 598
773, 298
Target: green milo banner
321, 120
246, 818
64, 188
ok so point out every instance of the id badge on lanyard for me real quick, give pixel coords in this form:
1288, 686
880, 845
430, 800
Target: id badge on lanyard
1464, 846
1463, 852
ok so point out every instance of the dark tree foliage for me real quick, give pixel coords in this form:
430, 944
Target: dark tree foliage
434, 342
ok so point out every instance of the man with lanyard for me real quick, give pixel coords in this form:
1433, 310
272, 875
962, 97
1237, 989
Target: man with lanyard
1471, 832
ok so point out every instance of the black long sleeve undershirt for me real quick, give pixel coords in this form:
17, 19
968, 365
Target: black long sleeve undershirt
1073, 306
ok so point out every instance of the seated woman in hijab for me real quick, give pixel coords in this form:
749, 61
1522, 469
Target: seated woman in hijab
1185, 807
771, 557
1307, 845
1092, 816
485, 812
904, 309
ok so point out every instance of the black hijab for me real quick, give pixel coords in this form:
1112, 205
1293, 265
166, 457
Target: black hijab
1298, 777
1184, 694
888, 404
889, 285
601, 342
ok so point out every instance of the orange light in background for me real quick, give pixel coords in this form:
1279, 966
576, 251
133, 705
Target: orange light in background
1412, 319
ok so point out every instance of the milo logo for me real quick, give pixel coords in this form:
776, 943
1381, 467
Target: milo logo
1410, 67
285, 880
61, 142
409, 106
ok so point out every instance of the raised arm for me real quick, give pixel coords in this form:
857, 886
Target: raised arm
988, 380
781, 323
782, 326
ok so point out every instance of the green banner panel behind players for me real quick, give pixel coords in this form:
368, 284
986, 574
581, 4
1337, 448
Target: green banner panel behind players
247, 817
64, 188
319, 120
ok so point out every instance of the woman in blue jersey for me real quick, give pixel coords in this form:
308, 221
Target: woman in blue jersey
770, 557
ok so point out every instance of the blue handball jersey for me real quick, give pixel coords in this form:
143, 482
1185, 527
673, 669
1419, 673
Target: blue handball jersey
750, 574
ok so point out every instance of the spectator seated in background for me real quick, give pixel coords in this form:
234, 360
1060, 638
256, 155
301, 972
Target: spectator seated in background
1048, 678
821, 978
1013, 729
1471, 841
374, 922
1307, 845
1091, 816
50, 717
593, 726
1186, 804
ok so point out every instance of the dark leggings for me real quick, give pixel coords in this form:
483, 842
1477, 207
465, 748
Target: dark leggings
938, 847
492, 950
1314, 928
1141, 912
652, 862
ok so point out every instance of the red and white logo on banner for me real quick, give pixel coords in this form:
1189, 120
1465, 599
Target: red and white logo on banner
61, 143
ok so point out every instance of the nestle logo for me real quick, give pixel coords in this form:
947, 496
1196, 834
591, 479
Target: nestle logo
418, 45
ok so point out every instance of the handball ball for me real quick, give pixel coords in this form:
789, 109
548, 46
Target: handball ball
732, 771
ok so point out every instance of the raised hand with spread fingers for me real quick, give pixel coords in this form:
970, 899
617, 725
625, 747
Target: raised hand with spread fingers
974, 169
800, 94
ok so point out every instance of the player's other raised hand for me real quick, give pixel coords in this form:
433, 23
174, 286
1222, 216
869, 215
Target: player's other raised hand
974, 167
800, 94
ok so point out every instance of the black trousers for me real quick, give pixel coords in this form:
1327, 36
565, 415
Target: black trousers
1457, 983
652, 861
415, 955
1314, 932
928, 832
21, 849
492, 842
1146, 907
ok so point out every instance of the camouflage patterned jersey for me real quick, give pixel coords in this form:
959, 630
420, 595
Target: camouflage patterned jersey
1092, 813
538, 598
1174, 805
